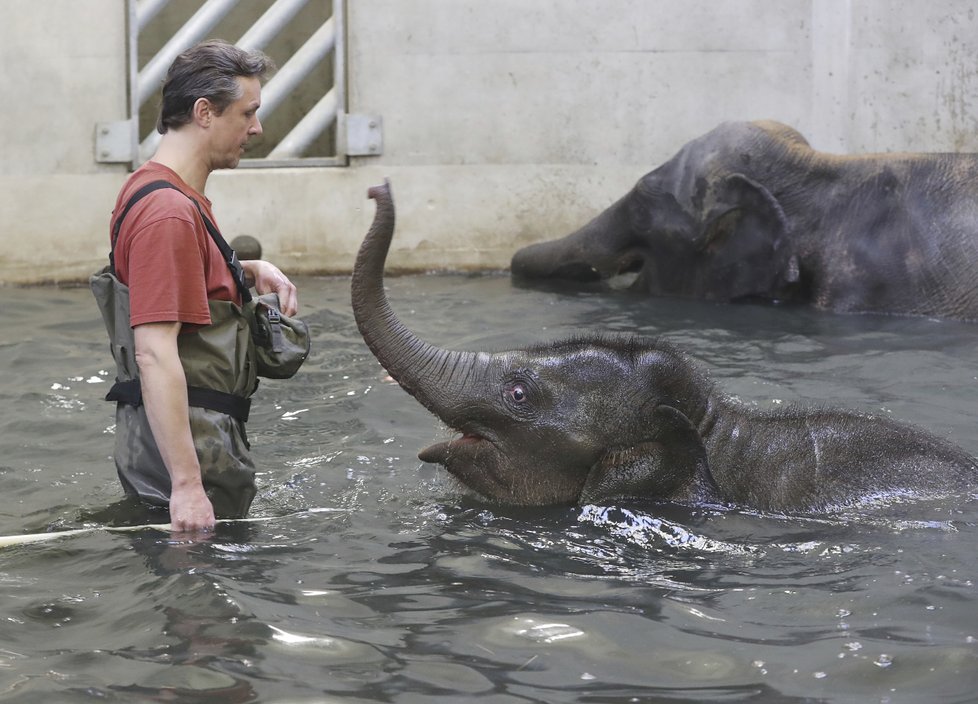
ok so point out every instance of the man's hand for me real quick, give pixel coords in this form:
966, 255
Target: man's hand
190, 509
268, 279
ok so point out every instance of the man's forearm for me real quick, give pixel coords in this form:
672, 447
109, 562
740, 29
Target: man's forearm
165, 399
164, 387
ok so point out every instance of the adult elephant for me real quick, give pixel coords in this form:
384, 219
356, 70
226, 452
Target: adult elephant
751, 211
598, 418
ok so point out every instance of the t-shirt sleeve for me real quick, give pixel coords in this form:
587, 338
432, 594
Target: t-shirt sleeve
167, 274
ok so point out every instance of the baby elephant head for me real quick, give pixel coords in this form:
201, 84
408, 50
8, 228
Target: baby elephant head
566, 423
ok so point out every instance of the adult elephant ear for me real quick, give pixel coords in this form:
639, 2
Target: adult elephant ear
669, 463
744, 240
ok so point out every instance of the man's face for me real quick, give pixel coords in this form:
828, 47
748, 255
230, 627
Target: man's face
232, 129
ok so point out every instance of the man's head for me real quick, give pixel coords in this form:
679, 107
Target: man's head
211, 98
209, 70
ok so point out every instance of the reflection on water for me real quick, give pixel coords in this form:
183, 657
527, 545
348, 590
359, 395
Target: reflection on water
374, 578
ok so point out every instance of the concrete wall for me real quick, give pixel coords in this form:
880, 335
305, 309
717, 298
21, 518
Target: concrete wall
505, 121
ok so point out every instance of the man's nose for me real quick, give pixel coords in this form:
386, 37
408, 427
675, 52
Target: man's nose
256, 128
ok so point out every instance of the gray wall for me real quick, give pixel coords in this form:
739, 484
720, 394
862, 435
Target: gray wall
505, 121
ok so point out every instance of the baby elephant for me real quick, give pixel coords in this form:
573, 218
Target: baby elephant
599, 418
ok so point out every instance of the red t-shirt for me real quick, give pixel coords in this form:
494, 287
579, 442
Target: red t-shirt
165, 255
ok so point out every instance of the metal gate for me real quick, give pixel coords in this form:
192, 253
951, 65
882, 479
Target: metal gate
303, 111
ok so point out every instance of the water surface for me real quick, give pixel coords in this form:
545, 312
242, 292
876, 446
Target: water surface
375, 579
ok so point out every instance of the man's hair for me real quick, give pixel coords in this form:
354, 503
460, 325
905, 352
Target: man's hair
207, 70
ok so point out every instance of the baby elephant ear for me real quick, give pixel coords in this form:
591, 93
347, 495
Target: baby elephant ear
669, 463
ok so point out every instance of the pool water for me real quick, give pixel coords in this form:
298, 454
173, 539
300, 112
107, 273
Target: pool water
373, 578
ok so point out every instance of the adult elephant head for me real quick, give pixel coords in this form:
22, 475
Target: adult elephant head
750, 211
696, 227
599, 417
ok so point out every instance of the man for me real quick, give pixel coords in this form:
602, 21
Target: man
177, 277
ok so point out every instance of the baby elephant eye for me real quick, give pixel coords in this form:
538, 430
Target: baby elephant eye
517, 392
520, 394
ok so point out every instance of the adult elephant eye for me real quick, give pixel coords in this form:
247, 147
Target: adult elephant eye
518, 393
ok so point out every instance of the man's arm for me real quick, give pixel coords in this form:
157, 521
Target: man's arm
164, 387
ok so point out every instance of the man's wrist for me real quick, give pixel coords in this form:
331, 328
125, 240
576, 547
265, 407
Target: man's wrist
249, 274
189, 482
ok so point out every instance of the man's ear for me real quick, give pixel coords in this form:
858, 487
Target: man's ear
203, 112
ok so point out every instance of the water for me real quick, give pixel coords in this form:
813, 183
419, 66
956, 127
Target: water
374, 579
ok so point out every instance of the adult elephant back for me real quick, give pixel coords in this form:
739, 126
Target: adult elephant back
750, 211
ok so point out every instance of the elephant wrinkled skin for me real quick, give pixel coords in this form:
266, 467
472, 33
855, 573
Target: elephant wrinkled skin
749, 211
597, 418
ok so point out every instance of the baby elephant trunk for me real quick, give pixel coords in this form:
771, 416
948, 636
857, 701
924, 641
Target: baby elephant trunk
436, 377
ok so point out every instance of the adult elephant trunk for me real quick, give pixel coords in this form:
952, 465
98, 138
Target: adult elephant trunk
439, 379
602, 249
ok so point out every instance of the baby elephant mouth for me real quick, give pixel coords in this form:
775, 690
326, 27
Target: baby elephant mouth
476, 461
443, 452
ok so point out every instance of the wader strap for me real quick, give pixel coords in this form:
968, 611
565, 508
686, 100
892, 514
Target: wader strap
237, 271
131, 393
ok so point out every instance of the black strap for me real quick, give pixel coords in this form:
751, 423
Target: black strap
237, 271
275, 324
131, 393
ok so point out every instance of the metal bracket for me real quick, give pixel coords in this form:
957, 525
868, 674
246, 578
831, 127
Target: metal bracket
364, 135
114, 142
